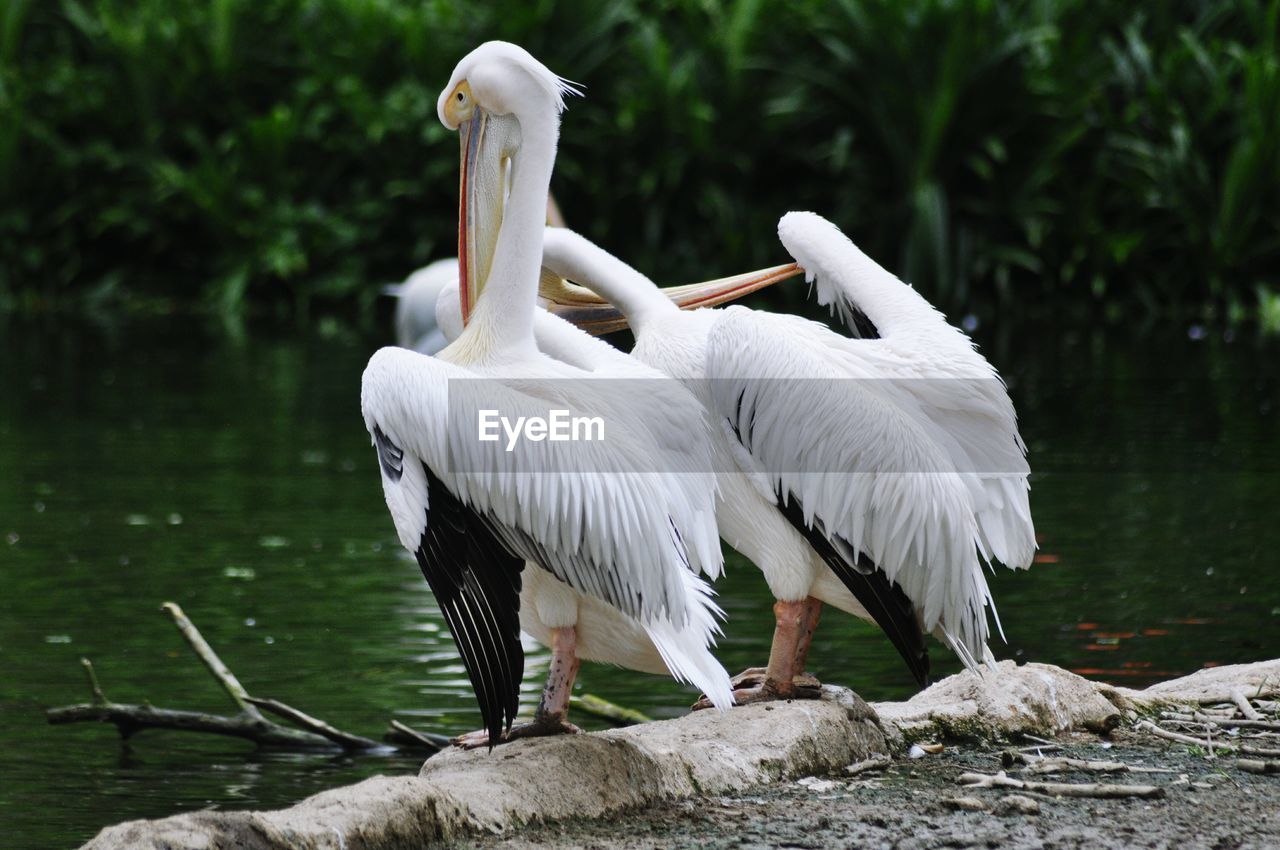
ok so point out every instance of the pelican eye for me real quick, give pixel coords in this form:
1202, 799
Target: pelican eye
459, 106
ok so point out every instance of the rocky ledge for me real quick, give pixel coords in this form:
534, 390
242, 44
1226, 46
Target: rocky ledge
706, 753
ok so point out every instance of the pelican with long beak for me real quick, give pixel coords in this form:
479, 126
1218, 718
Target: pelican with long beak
875, 474
626, 522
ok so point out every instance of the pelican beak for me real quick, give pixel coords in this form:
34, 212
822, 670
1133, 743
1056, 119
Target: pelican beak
712, 293
578, 305
592, 313
480, 206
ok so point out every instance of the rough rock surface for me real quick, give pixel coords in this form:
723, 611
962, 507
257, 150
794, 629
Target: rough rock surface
594, 775
1036, 698
704, 754
1215, 684
912, 805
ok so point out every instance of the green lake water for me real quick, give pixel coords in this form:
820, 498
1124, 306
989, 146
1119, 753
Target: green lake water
168, 462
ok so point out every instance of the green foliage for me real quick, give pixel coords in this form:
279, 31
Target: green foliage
286, 152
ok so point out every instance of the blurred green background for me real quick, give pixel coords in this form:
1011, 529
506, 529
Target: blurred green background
282, 157
1093, 190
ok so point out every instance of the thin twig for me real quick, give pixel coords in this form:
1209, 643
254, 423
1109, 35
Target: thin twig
600, 707
1254, 766
1219, 710
1056, 764
1184, 739
346, 740
249, 723
877, 762
131, 719
99, 698
1237, 724
1246, 749
1059, 789
406, 736
220, 671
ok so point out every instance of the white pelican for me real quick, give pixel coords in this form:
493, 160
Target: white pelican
628, 520
874, 474
416, 299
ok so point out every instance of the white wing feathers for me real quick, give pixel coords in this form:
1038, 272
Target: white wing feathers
864, 471
935, 373
904, 447
629, 519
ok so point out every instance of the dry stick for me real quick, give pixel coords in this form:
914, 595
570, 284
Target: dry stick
1056, 764
1059, 789
966, 804
405, 736
1246, 749
1226, 711
1237, 724
249, 724
1200, 718
1184, 739
1254, 766
130, 719
99, 698
1032, 763
346, 740
250, 704
878, 762
600, 707
220, 671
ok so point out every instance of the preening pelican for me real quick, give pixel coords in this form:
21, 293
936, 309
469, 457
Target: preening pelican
603, 632
416, 298
627, 520
875, 474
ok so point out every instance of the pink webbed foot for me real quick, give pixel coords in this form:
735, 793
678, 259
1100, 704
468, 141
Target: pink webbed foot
536, 728
754, 685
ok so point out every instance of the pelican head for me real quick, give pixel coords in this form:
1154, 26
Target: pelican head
499, 99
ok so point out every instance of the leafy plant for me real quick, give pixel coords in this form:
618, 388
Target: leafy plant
285, 154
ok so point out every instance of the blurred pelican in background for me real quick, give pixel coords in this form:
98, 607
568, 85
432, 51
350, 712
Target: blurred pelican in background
416, 297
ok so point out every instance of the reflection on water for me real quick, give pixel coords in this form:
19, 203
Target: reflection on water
238, 481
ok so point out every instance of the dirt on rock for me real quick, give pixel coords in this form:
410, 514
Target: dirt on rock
917, 804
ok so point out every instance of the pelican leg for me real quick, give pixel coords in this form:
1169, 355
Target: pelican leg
552, 714
784, 678
809, 616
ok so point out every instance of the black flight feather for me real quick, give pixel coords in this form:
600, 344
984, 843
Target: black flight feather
476, 582
884, 600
